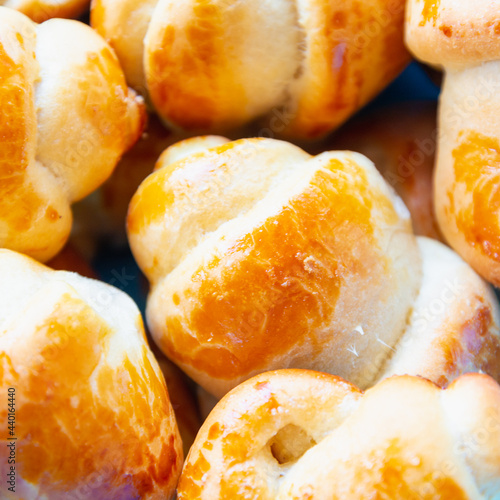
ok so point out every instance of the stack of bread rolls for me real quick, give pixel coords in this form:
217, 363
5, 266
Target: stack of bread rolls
307, 310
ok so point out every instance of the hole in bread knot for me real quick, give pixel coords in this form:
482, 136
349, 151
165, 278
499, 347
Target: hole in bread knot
290, 443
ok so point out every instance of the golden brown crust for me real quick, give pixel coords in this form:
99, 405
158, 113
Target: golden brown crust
82, 105
352, 51
200, 60
41, 10
466, 188
300, 434
92, 409
123, 24
203, 95
453, 33
211, 65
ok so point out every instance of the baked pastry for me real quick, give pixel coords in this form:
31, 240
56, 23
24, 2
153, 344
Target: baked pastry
67, 117
217, 65
401, 141
262, 257
463, 38
41, 10
92, 414
294, 434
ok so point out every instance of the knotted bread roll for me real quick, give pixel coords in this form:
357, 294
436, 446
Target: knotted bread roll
263, 257
464, 38
296, 434
67, 117
306, 65
41, 10
92, 414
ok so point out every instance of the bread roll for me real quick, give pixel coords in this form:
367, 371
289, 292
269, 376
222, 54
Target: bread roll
92, 414
67, 117
293, 434
463, 38
262, 257
41, 10
305, 65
